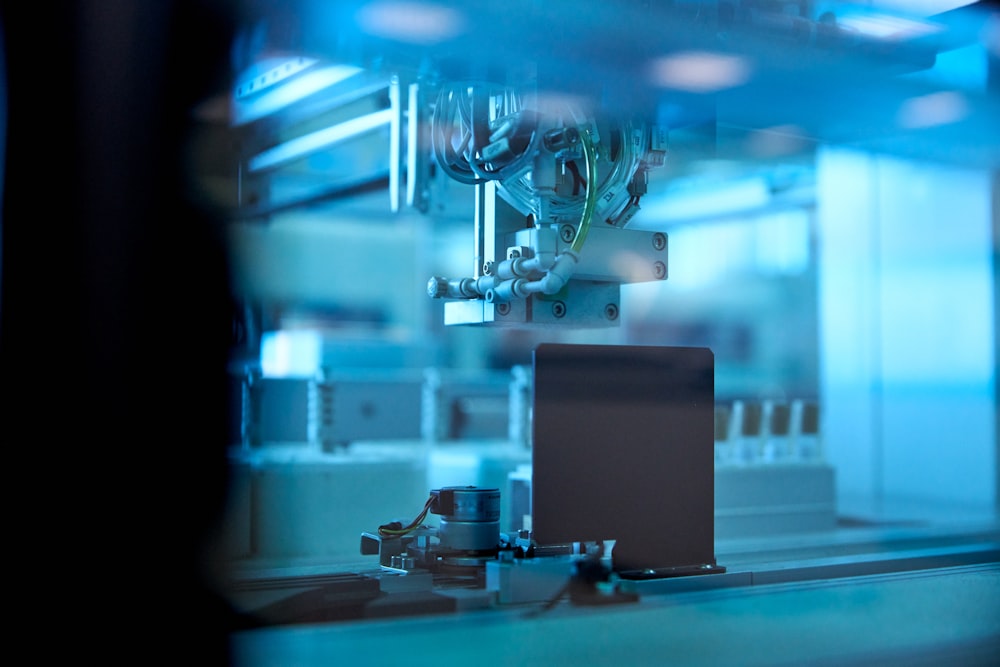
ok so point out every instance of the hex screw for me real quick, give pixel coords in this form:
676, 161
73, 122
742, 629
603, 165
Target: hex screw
611, 311
503, 308
660, 270
567, 233
659, 241
559, 309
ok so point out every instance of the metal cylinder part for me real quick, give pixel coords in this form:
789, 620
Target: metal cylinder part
470, 518
469, 535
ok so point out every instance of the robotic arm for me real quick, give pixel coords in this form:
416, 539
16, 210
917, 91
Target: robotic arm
556, 190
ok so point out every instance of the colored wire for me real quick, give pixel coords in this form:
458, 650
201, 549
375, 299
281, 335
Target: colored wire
456, 153
388, 530
590, 203
454, 118
520, 193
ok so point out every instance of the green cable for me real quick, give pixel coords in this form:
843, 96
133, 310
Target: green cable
590, 203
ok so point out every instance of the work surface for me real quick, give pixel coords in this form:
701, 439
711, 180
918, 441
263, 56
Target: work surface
872, 595
947, 616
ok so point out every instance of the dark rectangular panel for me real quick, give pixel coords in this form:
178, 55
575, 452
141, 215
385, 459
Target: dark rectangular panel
623, 450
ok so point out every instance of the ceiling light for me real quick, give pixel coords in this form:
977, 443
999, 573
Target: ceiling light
421, 23
931, 110
699, 71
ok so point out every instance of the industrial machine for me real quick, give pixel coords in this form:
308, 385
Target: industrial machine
633, 300
538, 210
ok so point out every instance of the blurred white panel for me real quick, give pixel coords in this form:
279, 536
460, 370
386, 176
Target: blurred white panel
846, 187
321, 260
290, 353
907, 339
699, 202
782, 242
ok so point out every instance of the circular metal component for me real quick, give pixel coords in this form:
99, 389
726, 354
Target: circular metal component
469, 503
469, 535
402, 562
437, 287
559, 138
611, 311
659, 241
567, 233
660, 270
470, 518
559, 309
503, 308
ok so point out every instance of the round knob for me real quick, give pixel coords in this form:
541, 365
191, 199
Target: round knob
437, 287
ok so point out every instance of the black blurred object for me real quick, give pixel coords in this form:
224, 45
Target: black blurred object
115, 329
623, 449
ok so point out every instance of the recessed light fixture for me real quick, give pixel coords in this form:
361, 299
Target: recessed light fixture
699, 71
422, 23
931, 110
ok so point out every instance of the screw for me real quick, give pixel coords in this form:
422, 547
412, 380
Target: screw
559, 309
503, 308
514, 254
660, 270
567, 233
611, 311
659, 241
